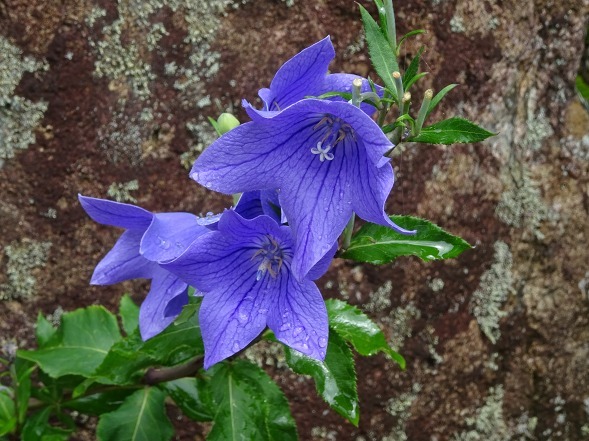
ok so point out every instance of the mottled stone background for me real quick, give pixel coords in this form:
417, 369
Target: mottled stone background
110, 99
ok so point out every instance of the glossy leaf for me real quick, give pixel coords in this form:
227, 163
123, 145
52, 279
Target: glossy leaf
378, 245
335, 377
381, 54
7, 413
439, 96
413, 69
127, 360
452, 131
357, 329
141, 417
193, 396
83, 339
44, 331
250, 405
129, 313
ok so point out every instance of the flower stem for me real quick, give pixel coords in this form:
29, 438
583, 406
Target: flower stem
348, 232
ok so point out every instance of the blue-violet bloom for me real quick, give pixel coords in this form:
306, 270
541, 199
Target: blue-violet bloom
306, 74
325, 157
245, 269
149, 239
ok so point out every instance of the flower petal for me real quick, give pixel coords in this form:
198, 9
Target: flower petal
155, 315
124, 262
252, 204
250, 157
298, 317
169, 235
115, 213
300, 76
231, 317
322, 265
216, 257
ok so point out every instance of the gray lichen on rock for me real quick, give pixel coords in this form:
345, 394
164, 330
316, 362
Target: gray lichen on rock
488, 424
521, 205
203, 135
121, 191
18, 116
400, 408
495, 285
23, 258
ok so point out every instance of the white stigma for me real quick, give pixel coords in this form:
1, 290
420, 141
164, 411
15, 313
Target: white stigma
322, 152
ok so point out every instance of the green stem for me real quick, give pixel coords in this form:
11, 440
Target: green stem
348, 232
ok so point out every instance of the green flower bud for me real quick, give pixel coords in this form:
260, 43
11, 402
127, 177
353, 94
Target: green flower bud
226, 122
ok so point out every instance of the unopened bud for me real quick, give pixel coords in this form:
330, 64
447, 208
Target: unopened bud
227, 122
406, 97
396, 75
423, 111
398, 84
356, 91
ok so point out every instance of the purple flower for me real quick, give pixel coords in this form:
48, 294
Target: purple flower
304, 75
149, 238
327, 160
245, 270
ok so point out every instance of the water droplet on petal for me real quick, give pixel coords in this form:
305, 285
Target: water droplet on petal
304, 346
164, 244
322, 354
242, 316
194, 176
209, 184
297, 331
285, 327
322, 342
179, 245
263, 311
235, 346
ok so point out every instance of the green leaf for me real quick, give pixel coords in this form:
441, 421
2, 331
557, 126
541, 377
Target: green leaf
250, 405
22, 376
37, 428
357, 329
129, 313
100, 402
412, 69
83, 339
335, 377
452, 131
406, 36
381, 54
44, 331
7, 412
378, 245
215, 125
141, 417
193, 396
439, 96
413, 80
128, 359
583, 90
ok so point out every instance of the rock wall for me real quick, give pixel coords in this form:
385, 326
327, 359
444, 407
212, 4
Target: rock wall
110, 99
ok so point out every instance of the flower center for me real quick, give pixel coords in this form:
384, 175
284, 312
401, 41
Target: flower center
334, 131
271, 256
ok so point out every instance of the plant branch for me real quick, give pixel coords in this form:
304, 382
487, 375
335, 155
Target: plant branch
160, 375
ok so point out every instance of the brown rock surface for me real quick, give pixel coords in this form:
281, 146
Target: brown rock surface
497, 342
